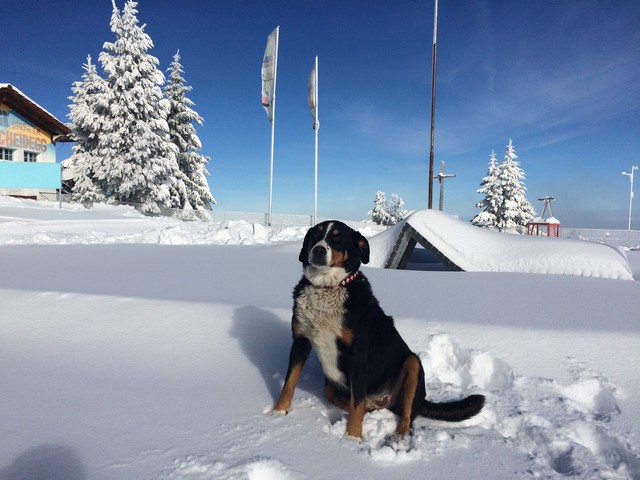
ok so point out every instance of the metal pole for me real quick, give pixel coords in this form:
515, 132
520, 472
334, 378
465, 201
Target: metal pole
433, 102
273, 124
316, 128
60, 189
630, 175
440, 205
630, 198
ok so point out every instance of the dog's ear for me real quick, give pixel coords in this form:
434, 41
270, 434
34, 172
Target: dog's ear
362, 245
304, 252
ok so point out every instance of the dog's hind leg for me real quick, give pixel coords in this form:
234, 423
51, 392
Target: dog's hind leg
411, 394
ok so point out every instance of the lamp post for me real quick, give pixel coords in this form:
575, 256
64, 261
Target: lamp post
634, 167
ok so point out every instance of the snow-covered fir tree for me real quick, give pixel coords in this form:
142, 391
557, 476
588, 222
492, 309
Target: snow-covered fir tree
396, 209
384, 213
505, 205
491, 188
515, 210
182, 134
90, 100
379, 214
139, 163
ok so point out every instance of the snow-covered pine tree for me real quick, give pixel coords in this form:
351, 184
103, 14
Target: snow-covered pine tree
379, 214
90, 100
387, 214
182, 134
396, 209
140, 164
491, 188
515, 210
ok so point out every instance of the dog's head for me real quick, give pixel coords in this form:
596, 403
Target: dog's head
331, 252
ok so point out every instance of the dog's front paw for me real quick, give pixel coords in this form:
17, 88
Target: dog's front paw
400, 443
277, 413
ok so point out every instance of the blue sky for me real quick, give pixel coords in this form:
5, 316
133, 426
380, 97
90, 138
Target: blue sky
561, 78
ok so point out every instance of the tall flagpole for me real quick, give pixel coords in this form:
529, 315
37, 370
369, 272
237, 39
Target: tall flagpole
316, 127
433, 102
273, 125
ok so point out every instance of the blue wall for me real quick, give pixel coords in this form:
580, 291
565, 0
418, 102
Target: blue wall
30, 175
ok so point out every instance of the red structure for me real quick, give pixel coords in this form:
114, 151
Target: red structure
543, 227
539, 226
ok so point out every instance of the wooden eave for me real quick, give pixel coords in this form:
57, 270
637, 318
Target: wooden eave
34, 113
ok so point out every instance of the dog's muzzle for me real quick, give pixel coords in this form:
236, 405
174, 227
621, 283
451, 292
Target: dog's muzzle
320, 255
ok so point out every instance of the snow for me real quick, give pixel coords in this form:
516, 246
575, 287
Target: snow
46, 224
13, 87
480, 250
143, 348
550, 220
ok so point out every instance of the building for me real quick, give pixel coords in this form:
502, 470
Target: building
28, 133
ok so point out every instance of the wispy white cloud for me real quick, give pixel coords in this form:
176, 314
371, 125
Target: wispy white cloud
564, 74
556, 104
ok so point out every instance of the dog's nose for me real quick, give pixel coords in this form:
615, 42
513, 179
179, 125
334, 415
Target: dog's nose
319, 251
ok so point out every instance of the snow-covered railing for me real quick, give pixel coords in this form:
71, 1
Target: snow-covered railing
616, 238
277, 219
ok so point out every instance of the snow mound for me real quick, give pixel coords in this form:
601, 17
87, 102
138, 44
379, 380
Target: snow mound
27, 222
193, 468
563, 427
476, 249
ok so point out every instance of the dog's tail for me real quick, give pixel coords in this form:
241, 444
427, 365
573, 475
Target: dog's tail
452, 411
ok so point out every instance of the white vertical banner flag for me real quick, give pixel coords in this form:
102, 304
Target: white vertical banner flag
269, 72
269, 76
312, 94
312, 97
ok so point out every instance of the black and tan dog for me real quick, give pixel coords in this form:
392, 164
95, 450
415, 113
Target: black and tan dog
367, 365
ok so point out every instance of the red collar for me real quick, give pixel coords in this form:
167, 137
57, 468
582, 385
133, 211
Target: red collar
349, 279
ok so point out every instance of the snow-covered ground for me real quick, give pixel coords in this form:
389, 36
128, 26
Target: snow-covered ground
145, 348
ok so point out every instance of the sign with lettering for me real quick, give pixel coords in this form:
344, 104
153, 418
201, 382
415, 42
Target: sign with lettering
18, 135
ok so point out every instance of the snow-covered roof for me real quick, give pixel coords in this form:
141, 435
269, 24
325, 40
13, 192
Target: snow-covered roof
473, 249
14, 98
550, 220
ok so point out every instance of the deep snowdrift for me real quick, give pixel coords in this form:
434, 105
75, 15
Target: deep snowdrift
131, 361
472, 249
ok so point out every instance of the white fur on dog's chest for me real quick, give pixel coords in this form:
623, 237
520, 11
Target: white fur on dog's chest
320, 313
